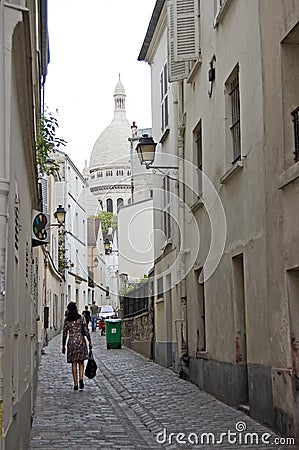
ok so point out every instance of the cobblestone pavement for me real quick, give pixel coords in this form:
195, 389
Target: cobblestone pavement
133, 403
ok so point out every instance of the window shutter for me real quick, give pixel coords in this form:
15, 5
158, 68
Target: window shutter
186, 30
44, 186
176, 70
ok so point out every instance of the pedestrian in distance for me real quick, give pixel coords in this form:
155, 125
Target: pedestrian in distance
73, 329
86, 314
102, 326
94, 310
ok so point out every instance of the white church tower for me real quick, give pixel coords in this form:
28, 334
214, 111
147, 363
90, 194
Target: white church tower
108, 174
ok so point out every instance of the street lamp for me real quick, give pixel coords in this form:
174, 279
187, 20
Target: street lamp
107, 246
132, 140
146, 152
59, 216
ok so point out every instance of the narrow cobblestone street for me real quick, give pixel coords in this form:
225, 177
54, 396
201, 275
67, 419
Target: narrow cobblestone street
132, 403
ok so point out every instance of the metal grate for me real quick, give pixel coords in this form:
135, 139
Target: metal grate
235, 113
295, 115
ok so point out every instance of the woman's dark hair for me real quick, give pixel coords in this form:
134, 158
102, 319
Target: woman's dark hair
72, 312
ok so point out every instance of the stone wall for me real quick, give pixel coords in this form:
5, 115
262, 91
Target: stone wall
138, 333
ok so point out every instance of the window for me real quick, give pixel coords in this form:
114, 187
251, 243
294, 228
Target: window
109, 173
295, 116
160, 289
164, 98
289, 91
128, 172
119, 173
120, 202
109, 205
233, 115
99, 174
166, 209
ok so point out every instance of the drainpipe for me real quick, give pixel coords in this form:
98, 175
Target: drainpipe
180, 144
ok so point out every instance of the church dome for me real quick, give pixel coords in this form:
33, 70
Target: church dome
111, 149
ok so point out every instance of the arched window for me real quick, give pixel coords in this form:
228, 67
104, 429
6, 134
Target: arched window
120, 202
109, 204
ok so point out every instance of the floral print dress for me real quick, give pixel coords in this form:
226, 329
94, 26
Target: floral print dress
76, 344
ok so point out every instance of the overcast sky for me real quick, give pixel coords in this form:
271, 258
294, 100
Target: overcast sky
91, 42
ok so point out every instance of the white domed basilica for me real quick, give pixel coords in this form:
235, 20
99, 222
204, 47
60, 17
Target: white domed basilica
108, 173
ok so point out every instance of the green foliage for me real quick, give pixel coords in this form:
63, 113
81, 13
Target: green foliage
130, 287
47, 143
107, 219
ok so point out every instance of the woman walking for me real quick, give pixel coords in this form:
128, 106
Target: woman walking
77, 351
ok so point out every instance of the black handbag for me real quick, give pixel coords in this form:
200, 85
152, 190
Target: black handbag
91, 366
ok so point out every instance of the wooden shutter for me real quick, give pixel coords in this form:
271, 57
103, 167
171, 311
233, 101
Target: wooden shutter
44, 186
186, 30
176, 70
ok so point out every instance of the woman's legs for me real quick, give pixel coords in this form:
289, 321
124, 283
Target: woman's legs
81, 370
75, 373
81, 373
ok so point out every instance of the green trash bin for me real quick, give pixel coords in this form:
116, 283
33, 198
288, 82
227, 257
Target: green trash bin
113, 333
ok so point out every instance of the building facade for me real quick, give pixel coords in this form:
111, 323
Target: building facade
70, 192
23, 68
96, 263
51, 277
231, 322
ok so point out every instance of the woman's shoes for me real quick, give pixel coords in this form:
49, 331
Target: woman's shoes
81, 385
